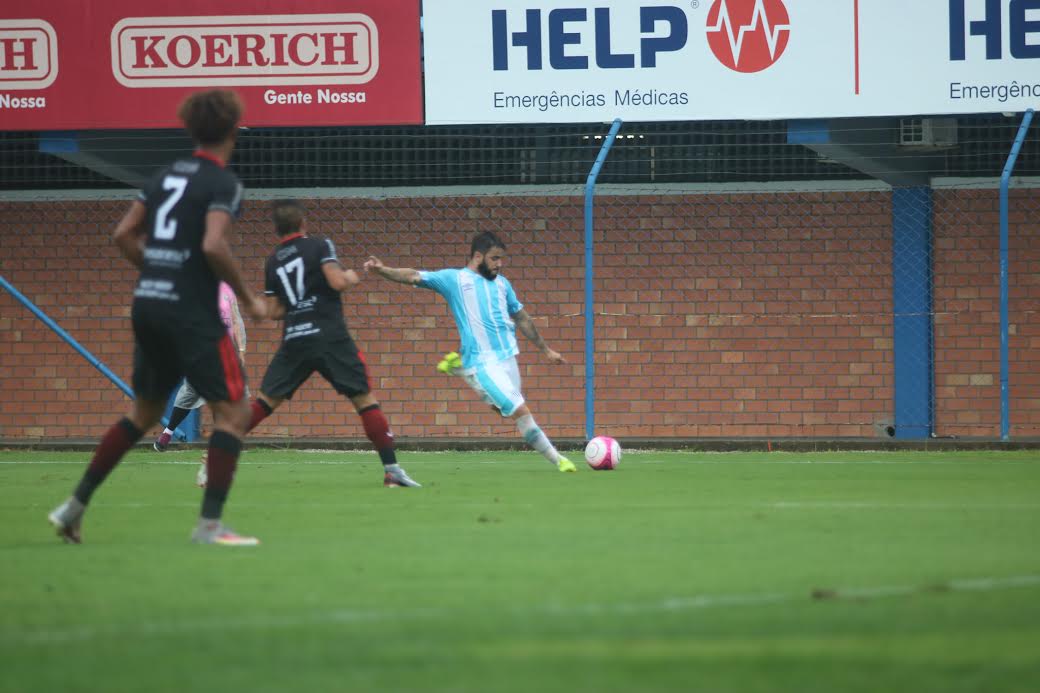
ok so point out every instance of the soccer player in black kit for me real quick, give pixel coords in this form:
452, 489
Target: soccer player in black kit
176, 233
304, 279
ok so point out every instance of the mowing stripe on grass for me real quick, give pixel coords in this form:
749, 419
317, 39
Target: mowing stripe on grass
326, 617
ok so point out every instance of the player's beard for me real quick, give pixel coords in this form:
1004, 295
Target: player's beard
486, 272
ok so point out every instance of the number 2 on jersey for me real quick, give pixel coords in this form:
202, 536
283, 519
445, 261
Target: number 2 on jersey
294, 267
166, 228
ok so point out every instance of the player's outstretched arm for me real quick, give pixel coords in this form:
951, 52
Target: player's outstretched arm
401, 275
339, 278
525, 324
130, 233
275, 308
217, 250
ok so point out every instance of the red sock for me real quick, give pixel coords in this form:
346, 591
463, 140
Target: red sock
116, 441
377, 428
260, 411
114, 444
221, 460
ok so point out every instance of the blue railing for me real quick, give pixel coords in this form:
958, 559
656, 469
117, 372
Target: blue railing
1005, 181
590, 318
90, 358
46, 319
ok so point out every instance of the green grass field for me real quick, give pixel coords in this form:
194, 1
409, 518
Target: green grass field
678, 572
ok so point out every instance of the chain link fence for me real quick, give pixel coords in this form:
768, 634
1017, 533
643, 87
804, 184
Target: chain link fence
732, 299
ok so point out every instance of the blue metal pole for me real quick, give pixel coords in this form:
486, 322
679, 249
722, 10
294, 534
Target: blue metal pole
590, 350
1005, 181
912, 311
66, 336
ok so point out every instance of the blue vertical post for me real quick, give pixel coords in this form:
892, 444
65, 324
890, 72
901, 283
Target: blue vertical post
590, 350
912, 306
1005, 181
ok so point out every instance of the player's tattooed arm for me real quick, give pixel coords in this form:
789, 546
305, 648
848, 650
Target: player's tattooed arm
525, 324
130, 233
401, 275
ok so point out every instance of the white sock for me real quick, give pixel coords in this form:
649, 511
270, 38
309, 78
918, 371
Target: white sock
167, 432
534, 437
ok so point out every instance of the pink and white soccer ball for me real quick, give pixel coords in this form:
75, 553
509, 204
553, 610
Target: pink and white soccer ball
603, 452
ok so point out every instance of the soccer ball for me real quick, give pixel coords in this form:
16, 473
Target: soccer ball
602, 453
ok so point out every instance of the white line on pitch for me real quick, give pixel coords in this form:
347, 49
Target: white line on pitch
368, 458
692, 506
889, 505
26, 636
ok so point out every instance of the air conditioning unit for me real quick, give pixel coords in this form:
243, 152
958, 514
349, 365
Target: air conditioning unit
932, 133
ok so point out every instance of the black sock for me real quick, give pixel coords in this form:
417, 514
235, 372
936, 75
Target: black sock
213, 500
176, 417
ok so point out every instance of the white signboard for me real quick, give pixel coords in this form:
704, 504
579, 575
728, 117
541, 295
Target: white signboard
555, 61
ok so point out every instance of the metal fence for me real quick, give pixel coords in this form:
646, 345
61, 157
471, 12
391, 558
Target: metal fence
726, 305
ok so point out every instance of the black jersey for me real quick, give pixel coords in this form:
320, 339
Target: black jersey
313, 309
175, 277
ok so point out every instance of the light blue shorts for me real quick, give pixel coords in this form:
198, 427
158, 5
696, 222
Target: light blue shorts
498, 384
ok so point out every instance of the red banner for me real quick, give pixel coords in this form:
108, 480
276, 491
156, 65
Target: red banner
76, 64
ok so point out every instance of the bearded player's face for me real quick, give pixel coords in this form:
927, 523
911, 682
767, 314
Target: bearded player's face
491, 265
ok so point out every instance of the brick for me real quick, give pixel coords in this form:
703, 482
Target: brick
783, 271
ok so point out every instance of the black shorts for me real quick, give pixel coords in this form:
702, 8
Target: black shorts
167, 350
340, 362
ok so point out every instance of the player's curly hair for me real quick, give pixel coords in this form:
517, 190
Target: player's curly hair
211, 117
484, 242
287, 216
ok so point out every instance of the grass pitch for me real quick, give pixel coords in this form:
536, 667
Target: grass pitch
677, 572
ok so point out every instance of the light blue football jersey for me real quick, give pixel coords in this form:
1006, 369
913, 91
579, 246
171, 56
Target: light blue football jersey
483, 313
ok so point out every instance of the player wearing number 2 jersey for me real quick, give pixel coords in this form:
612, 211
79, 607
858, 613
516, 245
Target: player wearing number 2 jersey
176, 234
304, 279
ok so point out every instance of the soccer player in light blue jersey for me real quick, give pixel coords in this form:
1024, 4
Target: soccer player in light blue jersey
488, 314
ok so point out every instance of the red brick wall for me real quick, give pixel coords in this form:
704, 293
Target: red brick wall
747, 315
717, 315
967, 306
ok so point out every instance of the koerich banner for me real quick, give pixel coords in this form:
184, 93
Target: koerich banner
595, 60
70, 64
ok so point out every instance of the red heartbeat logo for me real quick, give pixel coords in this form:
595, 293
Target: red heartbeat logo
748, 35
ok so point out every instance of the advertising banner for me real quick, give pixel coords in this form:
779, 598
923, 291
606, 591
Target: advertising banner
595, 60
75, 64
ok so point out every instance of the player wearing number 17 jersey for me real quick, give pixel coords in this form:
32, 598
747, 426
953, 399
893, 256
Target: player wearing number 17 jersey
176, 234
304, 279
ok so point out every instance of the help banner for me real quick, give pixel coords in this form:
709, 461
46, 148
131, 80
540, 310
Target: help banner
595, 60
